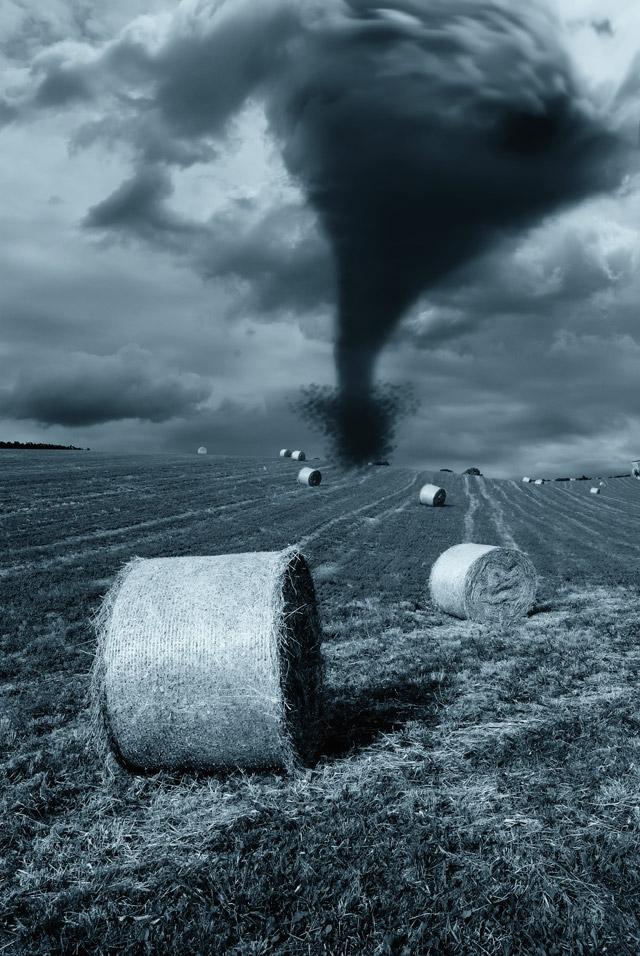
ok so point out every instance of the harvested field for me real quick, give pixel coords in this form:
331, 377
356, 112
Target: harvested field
478, 785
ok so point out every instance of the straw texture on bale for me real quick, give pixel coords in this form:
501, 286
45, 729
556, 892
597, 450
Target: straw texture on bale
595, 491
309, 476
432, 495
298, 456
208, 663
202, 450
482, 582
285, 453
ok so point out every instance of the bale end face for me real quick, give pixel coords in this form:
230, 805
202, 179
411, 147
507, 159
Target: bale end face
209, 663
432, 496
483, 583
298, 456
309, 476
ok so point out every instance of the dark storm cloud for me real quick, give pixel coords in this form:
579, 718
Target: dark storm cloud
563, 273
423, 135
279, 257
89, 389
139, 206
603, 27
277, 260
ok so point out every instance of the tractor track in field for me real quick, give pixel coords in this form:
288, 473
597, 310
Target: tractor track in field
474, 504
165, 525
339, 519
498, 515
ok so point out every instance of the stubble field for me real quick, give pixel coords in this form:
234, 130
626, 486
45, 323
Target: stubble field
478, 786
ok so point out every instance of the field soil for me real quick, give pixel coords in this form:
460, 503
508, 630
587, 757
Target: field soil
478, 787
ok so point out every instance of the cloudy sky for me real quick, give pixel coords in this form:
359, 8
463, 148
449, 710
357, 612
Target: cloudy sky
168, 251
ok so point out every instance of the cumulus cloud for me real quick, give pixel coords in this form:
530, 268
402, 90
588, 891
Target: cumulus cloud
91, 389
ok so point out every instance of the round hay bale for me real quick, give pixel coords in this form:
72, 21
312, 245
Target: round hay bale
285, 453
526, 480
202, 450
539, 481
482, 582
432, 495
595, 491
309, 476
298, 456
207, 663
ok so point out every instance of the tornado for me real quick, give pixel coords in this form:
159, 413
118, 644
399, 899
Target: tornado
424, 132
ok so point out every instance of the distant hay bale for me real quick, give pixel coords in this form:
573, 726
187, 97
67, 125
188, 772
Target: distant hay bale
298, 456
432, 495
526, 480
539, 481
572, 479
595, 491
285, 453
309, 476
635, 469
202, 450
481, 582
207, 663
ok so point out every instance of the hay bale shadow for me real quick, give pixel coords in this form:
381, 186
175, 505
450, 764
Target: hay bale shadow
355, 720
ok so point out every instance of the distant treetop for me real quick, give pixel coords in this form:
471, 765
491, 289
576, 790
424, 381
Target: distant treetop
38, 446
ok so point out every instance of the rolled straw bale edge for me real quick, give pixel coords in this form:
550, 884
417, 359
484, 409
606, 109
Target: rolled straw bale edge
101, 739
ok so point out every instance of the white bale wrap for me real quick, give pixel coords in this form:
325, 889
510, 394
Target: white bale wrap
298, 456
285, 453
539, 481
309, 476
526, 480
210, 662
202, 450
432, 495
595, 491
482, 582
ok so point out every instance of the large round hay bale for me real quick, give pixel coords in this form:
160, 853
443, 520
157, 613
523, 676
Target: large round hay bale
432, 495
595, 491
539, 481
482, 582
309, 476
526, 480
202, 450
298, 456
285, 453
210, 662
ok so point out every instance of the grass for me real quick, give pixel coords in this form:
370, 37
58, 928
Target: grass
477, 791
